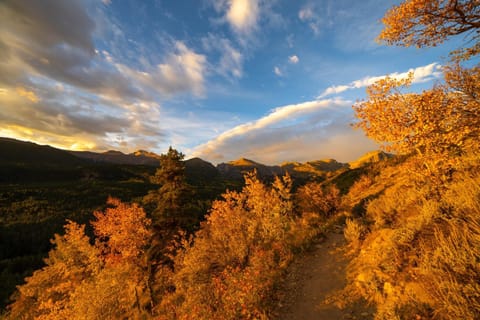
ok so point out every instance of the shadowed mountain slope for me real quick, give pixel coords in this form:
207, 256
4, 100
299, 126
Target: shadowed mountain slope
21, 152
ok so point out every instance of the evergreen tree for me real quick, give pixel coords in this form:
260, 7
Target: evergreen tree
170, 204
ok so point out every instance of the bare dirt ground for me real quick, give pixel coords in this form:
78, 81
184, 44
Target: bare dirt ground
314, 277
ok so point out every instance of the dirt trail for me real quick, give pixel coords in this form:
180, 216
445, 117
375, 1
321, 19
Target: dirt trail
314, 277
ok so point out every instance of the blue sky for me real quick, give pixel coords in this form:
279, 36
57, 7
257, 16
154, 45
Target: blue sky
270, 80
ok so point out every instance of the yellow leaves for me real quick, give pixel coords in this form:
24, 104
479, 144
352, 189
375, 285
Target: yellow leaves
314, 197
240, 249
48, 292
421, 254
420, 259
430, 22
437, 124
76, 283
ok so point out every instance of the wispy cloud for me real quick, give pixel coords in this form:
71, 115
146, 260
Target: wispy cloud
49, 47
277, 71
420, 74
182, 71
230, 63
308, 15
304, 131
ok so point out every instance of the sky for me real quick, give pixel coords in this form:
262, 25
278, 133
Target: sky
268, 80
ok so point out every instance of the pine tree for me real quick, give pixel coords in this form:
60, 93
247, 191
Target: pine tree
170, 204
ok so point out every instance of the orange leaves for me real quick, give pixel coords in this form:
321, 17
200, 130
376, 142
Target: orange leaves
387, 114
314, 198
122, 232
48, 293
438, 124
430, 22
229, 269
97, 282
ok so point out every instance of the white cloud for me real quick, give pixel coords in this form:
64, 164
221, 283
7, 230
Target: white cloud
420, 75
305, 131
277, 71
293, 59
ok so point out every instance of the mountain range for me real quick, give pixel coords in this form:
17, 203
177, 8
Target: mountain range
15, 152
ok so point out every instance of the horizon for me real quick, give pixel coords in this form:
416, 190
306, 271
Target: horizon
219, 80
228, 161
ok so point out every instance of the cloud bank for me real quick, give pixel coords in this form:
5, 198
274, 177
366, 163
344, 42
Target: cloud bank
57, 88
301, 132
420, 74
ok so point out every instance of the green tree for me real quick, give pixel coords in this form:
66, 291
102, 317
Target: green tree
172, 210
170, 204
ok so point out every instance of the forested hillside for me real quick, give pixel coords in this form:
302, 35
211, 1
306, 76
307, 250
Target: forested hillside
42, 187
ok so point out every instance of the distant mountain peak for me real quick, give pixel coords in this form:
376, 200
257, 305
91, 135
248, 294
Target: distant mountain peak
314, 167
370, 157
290, 164
243, 162
113, 153
145, 153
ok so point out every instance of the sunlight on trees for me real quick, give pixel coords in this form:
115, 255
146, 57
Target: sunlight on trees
438, 124
314, 197
122, 232
413, 224
441, 123
229, 269
417, 251
84, 281
238, 252
49, 293
430, 22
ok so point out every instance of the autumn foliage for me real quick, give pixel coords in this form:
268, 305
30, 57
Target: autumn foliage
106, 280
229, 269
430, 22
413, 225
439, 124
417, 246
